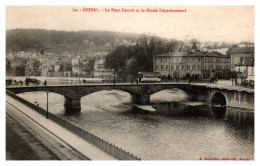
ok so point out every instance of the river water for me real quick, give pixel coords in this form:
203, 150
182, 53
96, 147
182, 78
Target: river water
109, 115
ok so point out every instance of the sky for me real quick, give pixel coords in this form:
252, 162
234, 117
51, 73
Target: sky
215, 23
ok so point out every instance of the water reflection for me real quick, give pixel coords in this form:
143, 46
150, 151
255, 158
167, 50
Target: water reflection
176, 131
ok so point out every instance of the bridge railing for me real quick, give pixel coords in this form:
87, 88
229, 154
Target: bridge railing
105, 146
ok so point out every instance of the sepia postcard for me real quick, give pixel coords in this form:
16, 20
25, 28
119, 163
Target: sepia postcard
173, 83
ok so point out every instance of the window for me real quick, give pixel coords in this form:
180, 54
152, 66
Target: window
182, 67
193, 67
161, 67
177, 67
198, 67
241, 59
166, 67
188, 67
172, 67
177, 60
227, 67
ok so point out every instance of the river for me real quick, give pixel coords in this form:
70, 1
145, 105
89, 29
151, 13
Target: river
109, 115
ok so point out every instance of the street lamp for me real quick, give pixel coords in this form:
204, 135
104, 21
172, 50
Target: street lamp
114, 76
47, 112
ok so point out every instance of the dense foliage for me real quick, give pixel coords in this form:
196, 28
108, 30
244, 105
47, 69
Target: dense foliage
132, 59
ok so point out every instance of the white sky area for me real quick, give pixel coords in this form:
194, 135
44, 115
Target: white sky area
205, 23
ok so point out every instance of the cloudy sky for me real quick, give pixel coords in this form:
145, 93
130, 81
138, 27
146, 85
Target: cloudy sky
229, 24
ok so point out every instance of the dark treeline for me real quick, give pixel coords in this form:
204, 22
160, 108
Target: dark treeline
132, 59
60, 41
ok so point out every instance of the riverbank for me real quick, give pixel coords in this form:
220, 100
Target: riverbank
19, 141
48, 135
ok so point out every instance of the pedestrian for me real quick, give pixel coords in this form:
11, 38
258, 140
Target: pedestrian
84, 81
45, 83
189, 81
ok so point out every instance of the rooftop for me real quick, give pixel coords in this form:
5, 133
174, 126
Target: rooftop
195, 54
246, 50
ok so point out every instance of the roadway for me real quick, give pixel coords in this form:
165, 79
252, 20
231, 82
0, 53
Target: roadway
220, 85
55, 142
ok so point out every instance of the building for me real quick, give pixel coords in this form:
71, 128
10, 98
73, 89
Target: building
56, 67
100, 71
221, 48
33, 67
241, 56
242, 60
77, 66
245, 44
46, 66
187, 60
66, 55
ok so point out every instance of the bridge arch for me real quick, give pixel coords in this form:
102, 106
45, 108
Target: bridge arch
168, 95
218, 98
218, 104
100, 90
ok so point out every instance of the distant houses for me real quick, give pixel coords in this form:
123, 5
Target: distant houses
67, 65
197, 60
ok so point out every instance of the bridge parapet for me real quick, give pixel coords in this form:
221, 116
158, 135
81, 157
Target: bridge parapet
141, 93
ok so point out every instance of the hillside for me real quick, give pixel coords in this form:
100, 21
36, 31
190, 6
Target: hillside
60, 41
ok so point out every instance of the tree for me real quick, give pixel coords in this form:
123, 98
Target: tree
65, 66
89, 68
139, 57
116, 60
9, 68
187, 76
20, 70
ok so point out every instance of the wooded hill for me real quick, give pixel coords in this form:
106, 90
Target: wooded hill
60, 41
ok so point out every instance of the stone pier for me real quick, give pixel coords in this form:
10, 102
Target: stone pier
140, 99
72, 105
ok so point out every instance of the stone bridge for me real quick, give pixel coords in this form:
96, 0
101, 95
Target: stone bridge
140, 93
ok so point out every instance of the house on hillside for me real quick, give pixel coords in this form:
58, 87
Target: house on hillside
100, 71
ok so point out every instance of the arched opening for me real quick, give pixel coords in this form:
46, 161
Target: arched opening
106, 100
168, 95
218, 105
